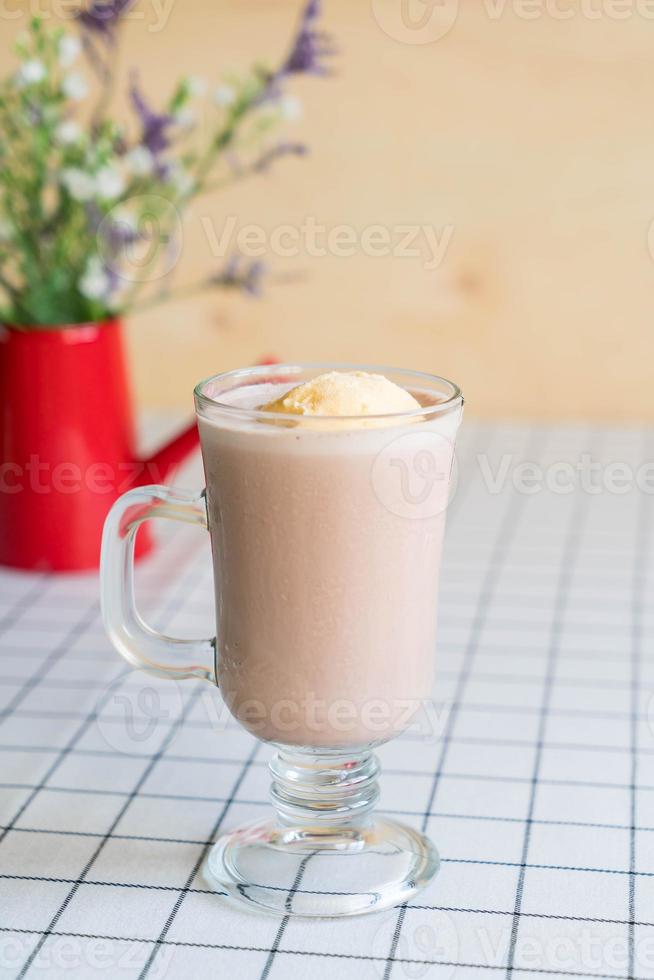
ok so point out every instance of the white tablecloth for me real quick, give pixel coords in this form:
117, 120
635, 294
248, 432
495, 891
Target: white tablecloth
537, 785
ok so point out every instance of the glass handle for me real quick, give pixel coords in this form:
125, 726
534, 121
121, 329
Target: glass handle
137, 642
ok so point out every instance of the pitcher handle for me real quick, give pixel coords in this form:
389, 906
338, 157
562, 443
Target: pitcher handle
137, 642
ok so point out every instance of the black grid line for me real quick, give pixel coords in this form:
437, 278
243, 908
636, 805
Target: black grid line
571, 549
59, 758
332, 955
53, 657
294, 889
481, 862
466, 706
456, 740
444, 814
297, 890
505, 532
284, 924
23, 603
568, 626
105, 837
92, 716
474, 777
501, 680
183, 892
612, 575
172, 606
510, 598
641, 546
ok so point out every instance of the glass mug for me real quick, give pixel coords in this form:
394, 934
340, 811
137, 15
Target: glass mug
326, 535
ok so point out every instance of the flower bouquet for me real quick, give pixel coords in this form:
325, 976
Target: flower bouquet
90, 212
89, 207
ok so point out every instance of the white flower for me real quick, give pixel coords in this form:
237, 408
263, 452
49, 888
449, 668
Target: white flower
80, 185
197, 86
291, 107
224, 95
31, 73
95, 283
140, 161
109, 183
69, 50
123, 218
182, 181
184, 184
74, 87
185, 118
67, 132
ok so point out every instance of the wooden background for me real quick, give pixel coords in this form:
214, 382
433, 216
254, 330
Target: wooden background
527, 129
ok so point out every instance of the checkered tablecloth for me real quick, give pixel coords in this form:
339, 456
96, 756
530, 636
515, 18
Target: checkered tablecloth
537, 783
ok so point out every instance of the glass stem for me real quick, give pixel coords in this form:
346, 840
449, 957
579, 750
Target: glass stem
324, 788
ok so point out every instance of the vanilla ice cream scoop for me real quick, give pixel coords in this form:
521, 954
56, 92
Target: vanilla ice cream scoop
344, 393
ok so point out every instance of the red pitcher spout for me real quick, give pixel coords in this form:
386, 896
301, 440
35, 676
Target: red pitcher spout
160, 467
67, 444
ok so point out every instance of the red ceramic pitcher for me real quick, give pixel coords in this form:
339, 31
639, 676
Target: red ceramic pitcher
67, 444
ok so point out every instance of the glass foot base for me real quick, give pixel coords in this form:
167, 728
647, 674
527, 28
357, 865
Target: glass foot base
319, 871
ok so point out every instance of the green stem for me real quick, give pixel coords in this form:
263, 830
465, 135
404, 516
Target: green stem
108, 84
9, 288
224, 139
193, 289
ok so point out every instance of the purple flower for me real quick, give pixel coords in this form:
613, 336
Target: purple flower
310, 45
154, 125
275, 152
34, 114
93, 216
240, 275
102, 17
112, 235
119, 233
